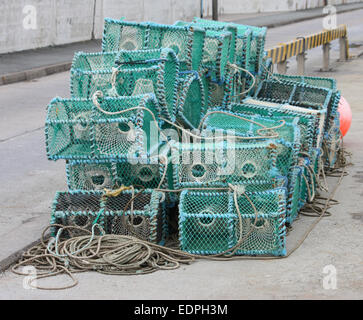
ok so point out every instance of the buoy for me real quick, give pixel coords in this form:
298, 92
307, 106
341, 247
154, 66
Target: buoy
345, 115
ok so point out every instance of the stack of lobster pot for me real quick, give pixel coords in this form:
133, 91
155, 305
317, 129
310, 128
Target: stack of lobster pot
189, 118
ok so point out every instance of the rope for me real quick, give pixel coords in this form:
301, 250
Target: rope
249, 73
99, 94
127, 255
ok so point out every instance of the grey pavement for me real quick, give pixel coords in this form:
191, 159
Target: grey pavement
27, 65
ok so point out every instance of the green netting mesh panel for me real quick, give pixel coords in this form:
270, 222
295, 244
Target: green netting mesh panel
76, 129
220, 163
187, 42
218, 94
208, 222
98, 175
145, 218
191, 99
138, 72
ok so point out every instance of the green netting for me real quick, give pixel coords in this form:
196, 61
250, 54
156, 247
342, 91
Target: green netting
208, 222
144, 218
75, 128
191, 99
221, 163
137, 72
187, 42
98, 175
95, 61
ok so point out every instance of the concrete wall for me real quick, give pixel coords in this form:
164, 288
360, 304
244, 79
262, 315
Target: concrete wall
30, 24
251, 6
54, 22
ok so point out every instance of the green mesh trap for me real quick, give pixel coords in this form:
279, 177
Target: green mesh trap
75, 129
306, 122
221, 163
242, 39
208, 222
257, 44
137, 72
288, 142
332, 137
144, 217
101, 174
219, 48
187, 42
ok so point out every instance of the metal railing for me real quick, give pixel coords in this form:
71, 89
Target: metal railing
298, 47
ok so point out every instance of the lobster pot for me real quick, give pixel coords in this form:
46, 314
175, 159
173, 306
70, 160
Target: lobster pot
257, 44
94, 61
85, 63
276, 112
294, 93
332, 136
287, 144
192, 99
101, 174
144, 217
140, 72
242, 38
316, 133
221, 163
77, 130
209, 222
187, 42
